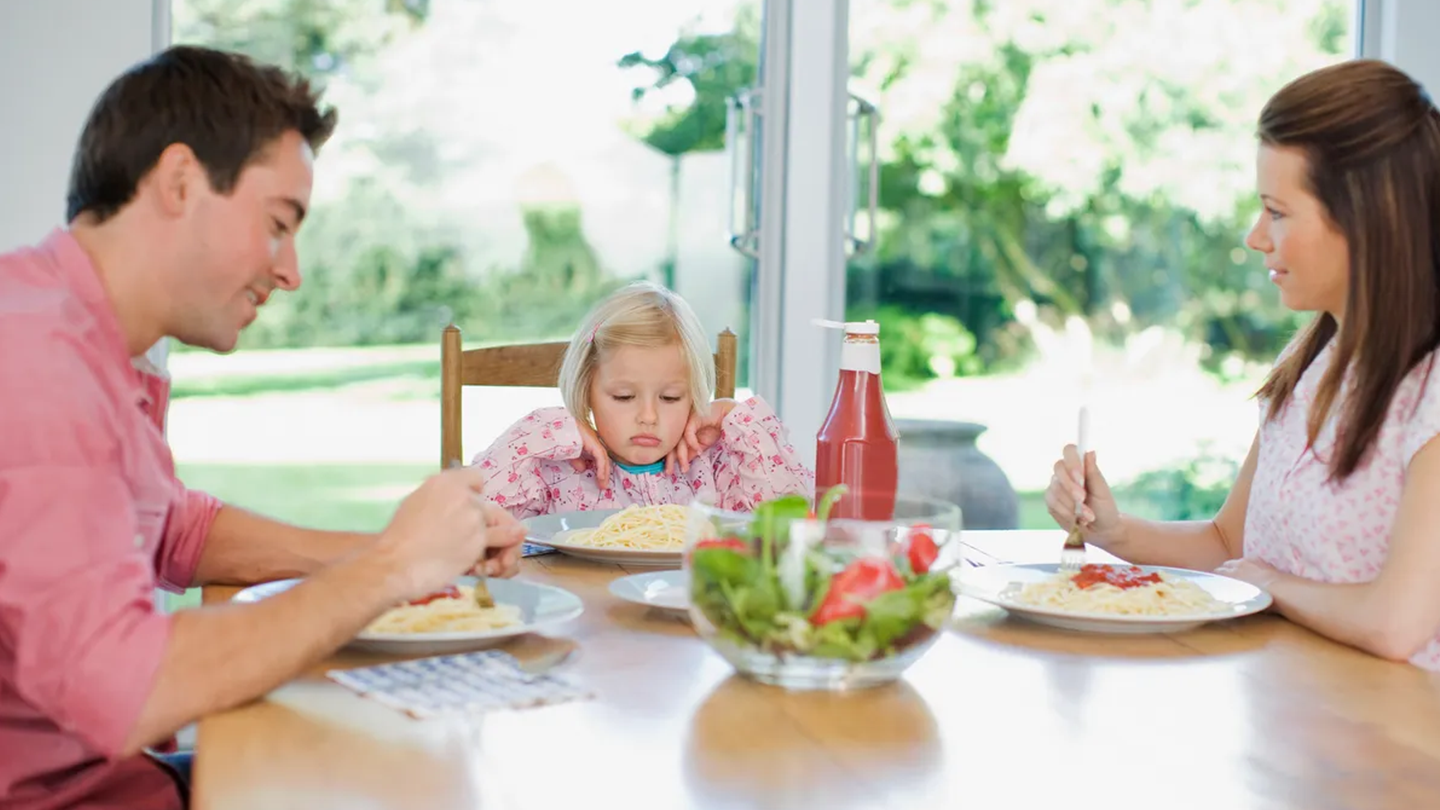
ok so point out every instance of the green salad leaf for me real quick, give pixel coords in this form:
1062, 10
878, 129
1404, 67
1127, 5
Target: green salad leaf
738, 589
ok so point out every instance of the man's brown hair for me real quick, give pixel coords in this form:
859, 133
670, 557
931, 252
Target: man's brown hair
1371, 136
227, 108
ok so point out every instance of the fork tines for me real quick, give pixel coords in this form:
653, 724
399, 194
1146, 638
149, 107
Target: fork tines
1072, 556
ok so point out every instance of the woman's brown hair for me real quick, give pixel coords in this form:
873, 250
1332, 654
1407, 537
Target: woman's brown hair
1371, 137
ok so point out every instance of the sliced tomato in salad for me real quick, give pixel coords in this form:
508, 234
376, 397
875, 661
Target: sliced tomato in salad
853, 587
730, 543
921, 550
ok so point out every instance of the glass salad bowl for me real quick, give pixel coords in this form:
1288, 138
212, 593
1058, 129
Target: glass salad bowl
843, 593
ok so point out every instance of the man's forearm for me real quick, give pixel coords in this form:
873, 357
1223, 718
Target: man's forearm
219, 657
244, 548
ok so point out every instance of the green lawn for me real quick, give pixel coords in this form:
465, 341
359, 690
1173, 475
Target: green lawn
283, 483
307, 380
352, 497
361, 497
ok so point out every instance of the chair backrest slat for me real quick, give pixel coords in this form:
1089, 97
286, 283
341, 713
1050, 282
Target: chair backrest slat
534, 365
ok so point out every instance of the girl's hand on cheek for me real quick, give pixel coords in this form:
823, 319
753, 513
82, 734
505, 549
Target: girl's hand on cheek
702, 431
592, 453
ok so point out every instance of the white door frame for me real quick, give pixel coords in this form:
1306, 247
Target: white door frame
159, 41
804, 200
1402, 32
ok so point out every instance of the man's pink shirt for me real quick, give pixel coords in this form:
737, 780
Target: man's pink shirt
92, 519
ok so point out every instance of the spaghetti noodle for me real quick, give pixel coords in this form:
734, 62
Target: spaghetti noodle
1124, 591
639, 528
446, 614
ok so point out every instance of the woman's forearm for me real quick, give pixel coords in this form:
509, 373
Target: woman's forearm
1196, 544
1358, 614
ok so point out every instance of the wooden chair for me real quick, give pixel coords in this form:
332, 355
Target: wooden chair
535, 365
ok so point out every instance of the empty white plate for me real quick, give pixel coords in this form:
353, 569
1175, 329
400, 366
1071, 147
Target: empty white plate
543, 528
666, 590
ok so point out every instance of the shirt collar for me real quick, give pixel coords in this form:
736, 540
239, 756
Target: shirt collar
80, 275
641, 469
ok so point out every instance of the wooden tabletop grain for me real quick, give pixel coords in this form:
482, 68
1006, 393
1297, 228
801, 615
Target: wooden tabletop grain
1255, 713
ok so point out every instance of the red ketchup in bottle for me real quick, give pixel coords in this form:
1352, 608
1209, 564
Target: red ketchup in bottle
856, 446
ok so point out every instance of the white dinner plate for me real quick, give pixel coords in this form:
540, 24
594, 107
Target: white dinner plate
557, 529
666, 590
619, 556
543, 528
1000, 584
540, 606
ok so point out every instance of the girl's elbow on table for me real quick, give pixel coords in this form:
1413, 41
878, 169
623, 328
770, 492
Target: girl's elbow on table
1394, 630
1395, 643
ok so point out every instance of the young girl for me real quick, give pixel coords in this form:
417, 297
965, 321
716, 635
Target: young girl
639, 426
1335, 510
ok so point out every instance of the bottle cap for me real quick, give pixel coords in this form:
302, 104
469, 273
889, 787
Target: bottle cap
868, 327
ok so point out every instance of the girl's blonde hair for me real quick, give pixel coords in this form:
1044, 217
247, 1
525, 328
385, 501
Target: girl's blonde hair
641, 314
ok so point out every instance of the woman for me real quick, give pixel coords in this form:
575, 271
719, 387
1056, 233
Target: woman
1336, 510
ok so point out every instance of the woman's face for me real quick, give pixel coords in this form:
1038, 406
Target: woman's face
1308, 258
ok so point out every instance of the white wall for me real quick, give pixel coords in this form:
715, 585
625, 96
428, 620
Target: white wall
1402, 32
56, 56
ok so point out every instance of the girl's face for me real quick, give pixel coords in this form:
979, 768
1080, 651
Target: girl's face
640, 400
1308, 258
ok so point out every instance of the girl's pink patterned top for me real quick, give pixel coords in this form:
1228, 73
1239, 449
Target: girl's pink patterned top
1300, 523
527, 470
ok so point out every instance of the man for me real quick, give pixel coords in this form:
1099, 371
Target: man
190, 180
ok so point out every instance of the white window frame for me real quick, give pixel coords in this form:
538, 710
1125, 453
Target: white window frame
159, 354
803, 207
1402, 32
802, 263
800, 273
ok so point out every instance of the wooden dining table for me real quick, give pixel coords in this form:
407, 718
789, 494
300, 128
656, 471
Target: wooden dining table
1000, 713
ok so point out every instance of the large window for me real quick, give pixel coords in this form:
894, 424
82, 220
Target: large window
1062, 174
1063, 186
501, 165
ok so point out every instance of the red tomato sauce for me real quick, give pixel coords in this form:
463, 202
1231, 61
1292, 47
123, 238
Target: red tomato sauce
1121, 576
450, 592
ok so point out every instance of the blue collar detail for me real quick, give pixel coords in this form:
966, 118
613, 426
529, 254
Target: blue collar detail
642, 469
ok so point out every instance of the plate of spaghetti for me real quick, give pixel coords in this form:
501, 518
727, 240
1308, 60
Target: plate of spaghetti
1106, 598
542, 529
635, 535
449, 621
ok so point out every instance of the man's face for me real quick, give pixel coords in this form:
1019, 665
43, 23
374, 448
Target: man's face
238, 248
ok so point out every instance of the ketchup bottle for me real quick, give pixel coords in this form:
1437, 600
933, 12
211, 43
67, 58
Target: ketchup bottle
856, 446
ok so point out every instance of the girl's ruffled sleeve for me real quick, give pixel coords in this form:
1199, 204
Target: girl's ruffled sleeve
510, 466
754, 460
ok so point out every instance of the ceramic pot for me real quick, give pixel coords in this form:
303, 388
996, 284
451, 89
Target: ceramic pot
939, 459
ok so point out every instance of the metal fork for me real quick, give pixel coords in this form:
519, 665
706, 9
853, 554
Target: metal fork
1072, 556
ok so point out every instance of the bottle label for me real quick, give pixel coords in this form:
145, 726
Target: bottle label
860, 356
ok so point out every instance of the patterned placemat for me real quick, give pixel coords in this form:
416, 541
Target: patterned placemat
483, 681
